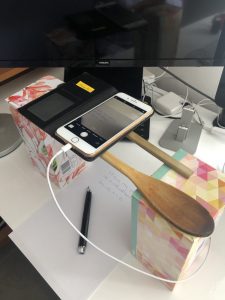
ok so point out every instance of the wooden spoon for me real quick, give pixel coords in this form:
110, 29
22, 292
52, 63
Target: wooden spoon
161, 155
174, 205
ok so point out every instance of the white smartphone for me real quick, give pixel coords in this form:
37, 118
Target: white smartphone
96, 130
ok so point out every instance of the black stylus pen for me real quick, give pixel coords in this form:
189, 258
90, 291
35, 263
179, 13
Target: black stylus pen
85, 222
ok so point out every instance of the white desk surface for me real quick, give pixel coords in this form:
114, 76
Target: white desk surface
24, 190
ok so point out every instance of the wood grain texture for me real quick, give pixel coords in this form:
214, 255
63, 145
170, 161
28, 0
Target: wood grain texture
161, 155
175, 206
7, 73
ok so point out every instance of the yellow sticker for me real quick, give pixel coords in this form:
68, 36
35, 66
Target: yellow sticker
85, 86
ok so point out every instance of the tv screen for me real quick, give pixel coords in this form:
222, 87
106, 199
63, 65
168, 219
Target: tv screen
116, 33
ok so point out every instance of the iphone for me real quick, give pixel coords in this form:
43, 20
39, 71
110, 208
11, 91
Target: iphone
97, 129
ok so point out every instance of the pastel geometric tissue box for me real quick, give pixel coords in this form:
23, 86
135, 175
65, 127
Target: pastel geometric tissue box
40, 145
162, 248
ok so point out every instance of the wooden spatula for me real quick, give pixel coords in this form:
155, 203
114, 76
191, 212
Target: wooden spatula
161, 155
175, 206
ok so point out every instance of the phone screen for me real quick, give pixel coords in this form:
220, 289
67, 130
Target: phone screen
104, 121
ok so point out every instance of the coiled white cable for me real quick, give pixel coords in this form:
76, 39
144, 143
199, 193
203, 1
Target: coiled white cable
65, 149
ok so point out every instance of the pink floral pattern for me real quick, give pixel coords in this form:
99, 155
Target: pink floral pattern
41, 146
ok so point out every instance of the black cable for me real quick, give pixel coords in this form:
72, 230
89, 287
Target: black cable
2, 223
187, 84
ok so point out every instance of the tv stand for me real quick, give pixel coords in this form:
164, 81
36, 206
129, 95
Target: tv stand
9, 135
220, 120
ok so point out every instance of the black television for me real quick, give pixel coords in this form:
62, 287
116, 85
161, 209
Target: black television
116, 33
112, 39
123, 35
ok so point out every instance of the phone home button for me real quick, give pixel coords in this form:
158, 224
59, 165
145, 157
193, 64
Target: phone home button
74, 140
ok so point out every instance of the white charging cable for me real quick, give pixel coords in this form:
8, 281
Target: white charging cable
65, 149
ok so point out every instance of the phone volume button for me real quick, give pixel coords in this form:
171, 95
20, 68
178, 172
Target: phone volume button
74, 140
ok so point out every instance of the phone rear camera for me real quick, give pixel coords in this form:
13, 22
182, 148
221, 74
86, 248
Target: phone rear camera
84, 134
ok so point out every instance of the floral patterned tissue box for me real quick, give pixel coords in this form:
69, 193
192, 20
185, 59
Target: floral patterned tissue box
40, 145
162, 248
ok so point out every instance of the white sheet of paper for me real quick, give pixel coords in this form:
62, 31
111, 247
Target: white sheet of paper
50, 244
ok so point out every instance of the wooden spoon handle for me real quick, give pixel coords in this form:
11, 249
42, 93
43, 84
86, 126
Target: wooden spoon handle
119, 165
161, 155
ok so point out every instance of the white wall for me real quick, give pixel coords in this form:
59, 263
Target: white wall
205, 79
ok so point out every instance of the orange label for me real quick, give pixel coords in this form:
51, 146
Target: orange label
85, 86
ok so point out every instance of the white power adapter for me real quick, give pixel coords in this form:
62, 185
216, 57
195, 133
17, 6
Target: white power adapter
169, 104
